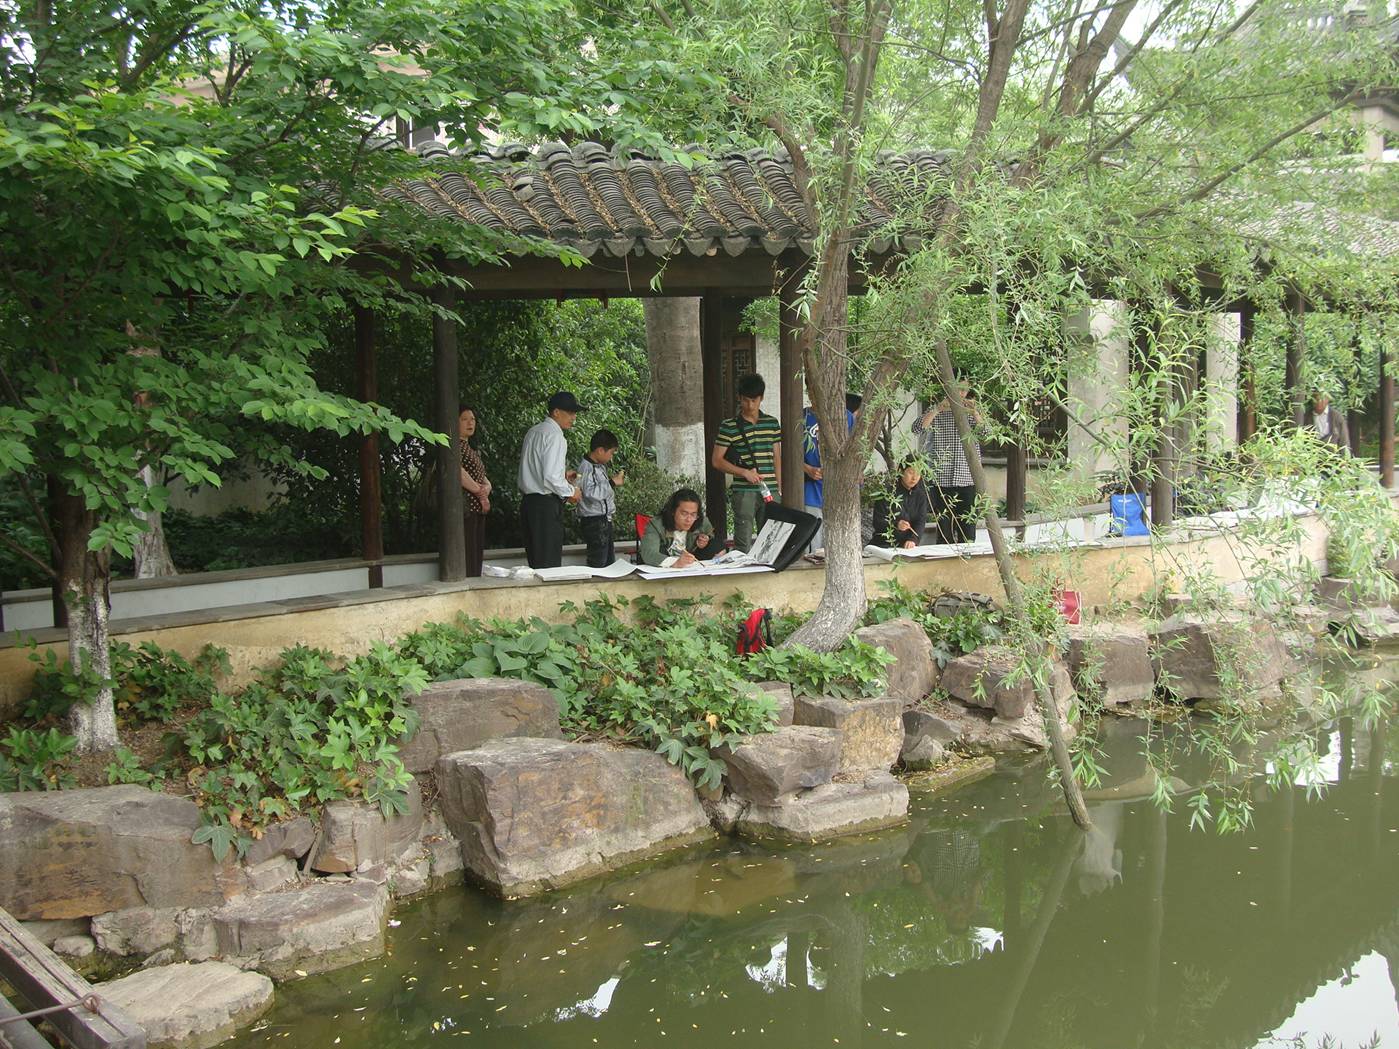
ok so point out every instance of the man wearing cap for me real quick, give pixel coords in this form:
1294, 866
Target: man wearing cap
546, 483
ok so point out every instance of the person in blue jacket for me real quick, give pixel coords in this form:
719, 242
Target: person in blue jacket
814, 494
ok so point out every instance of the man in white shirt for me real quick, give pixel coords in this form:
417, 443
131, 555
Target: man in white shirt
546, 482
1326, 422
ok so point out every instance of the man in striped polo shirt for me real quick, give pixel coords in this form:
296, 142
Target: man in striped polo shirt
748, 449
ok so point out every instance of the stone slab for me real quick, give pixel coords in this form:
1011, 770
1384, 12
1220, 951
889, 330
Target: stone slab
1111, 663
828, 811
1196, 655
324, 926
190, 1006
134, 846
535, 814
356, 834
766, 767
782, 692
984, 678
458, 715
871, 730
914, 672
136, 930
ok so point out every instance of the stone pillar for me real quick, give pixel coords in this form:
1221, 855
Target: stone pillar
1222, 384
1097, 339
677, 384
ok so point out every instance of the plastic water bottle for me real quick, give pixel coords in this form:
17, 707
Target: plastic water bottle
765, 491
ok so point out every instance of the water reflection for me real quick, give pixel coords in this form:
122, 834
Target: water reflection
987, 922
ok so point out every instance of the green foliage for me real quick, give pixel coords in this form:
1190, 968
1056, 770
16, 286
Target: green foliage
850, 672
951, 636
126, 767
303, 733
150, 683
34, 759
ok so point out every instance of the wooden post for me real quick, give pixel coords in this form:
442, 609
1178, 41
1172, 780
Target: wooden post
790, 471
716, 493
1248, 402
451, 529
371, 511
1386, 419
1296, 351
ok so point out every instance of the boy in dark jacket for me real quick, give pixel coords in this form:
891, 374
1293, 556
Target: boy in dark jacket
900, 517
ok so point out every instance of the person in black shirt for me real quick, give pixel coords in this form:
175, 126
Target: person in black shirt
901, 516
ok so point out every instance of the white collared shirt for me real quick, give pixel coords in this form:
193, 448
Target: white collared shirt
542, 461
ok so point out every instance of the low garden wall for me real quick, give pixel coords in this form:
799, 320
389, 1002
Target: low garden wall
1115, 570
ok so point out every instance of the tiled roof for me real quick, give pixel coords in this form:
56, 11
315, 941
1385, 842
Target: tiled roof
1320, 228
588, 199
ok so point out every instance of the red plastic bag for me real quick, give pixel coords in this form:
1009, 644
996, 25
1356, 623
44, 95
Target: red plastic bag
1068, 602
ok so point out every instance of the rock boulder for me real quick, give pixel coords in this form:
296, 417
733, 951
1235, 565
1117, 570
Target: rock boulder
914, 672
921, 753
190, 1006
535, 814
459, 715
134, 846
324, 926
1196, 654
764, 768
137, 930
292, 839
356, 834
871, 730
782, 693
979, 679
1111, 663
828, 811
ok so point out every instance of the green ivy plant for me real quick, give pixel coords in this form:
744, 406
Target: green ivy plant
34, 759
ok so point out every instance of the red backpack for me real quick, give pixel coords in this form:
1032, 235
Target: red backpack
755, 632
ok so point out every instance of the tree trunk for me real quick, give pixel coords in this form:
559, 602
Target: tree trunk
1049, 710
84, 578
677, 385
843, 598
151, 555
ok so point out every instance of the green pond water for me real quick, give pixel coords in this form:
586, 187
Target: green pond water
988, 921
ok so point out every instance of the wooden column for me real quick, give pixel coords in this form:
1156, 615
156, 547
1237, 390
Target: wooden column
790, 470
716, 500
1248, 386
451, 532
371, 512
1386, 419
1296, 350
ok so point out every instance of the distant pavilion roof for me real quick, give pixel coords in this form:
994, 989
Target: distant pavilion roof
586, 198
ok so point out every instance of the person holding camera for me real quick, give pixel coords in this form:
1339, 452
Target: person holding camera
951, 491
748, 448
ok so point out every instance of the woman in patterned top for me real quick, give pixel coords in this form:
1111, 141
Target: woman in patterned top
950, 487
476, 492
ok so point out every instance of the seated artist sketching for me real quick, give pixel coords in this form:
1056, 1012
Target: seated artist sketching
901, 515
679, 535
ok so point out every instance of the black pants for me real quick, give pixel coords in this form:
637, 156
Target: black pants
541, 520
953, 509
597, 533
474, 530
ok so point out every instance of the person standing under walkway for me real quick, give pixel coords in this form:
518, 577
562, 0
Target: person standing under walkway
1327, 422
546, 483
953, 495
813, 494
476, 492
599, 502
748, 448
